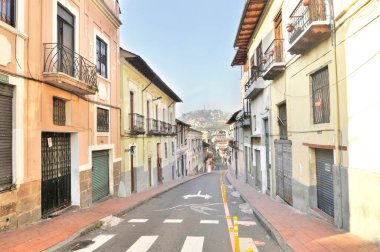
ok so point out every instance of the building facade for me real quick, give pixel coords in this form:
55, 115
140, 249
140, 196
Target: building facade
322, 162
148, 127
182, 147
195, 152
60, 97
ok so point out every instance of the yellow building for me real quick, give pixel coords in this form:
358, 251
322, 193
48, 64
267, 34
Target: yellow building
59, 106
148, 127
319, 59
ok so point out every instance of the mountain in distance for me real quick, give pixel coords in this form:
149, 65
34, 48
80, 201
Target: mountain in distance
206, 119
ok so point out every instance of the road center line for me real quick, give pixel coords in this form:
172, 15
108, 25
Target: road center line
173, 221
227, 212
209, 222
193, 244
138, 220
143, 244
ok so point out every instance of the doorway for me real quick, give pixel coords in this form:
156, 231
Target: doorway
65, 40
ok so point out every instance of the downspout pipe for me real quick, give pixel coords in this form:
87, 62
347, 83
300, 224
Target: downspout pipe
338, 218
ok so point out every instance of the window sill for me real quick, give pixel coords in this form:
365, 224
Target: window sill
13, 30
103, 78
7, 188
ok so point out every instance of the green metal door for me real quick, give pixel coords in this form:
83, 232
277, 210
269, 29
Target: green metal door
100, 175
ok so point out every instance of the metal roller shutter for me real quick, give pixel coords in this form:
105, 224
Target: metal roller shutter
6, 92
100, 175
325, 186
283, 152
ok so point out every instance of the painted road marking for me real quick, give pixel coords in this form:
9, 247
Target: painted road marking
198, 195
209, 222
98, 241
247, 223
143, 244
138, 220
247, 243
173, 221
193, 244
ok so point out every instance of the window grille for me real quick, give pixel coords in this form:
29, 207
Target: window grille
102, 120
283, 122
101, 57
59, 111
166, 150
321, 96
7, 11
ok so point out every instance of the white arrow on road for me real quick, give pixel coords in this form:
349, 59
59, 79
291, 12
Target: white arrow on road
198, 195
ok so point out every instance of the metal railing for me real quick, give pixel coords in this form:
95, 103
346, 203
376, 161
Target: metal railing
7, 10
255, 74
152, 125
274, 53
59, 58
303, 16
137, 122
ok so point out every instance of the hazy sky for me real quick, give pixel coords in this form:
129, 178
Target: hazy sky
189, 44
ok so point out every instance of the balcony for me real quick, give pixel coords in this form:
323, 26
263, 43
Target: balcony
254, 85
137, 124
68, 70
172, 130
164, 129
274, 63
246, 119
153, 127
308, 26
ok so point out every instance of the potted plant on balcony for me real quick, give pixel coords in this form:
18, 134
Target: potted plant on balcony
306, 2
289, 27
271, 52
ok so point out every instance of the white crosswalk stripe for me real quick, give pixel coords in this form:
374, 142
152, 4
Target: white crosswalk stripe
138, 220
209, 221
193, 244
98, 241
143, 244
173, 221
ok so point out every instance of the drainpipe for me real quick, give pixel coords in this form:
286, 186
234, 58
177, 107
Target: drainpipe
338, 162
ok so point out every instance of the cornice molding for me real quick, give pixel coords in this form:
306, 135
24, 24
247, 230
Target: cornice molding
115, 21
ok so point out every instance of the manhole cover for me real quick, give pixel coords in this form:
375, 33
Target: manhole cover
81, 244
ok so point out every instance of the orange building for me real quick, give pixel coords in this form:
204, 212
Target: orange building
59, 106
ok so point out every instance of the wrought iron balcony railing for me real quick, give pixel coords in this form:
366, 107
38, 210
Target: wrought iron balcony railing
60, 59
153, 126
304, 15
255, 74
137, 123
274, 53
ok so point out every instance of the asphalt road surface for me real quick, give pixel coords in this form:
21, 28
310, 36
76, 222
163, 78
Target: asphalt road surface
190, 217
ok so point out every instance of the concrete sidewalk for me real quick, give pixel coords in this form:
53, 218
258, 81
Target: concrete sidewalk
296, 231
70, 224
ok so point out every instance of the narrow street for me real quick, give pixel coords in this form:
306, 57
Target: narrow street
190, 217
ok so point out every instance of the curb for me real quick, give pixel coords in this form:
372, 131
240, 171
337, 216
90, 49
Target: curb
97, 223
266, 224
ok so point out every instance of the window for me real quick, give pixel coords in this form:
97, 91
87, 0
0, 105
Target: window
7, 11
282, 121
173, 149
101, 57
59, 111
321, 96
102, 120
254, 123
166, 150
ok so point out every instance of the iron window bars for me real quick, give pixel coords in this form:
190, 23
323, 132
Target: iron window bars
321, 96
102, 120
59, 58
59, 111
